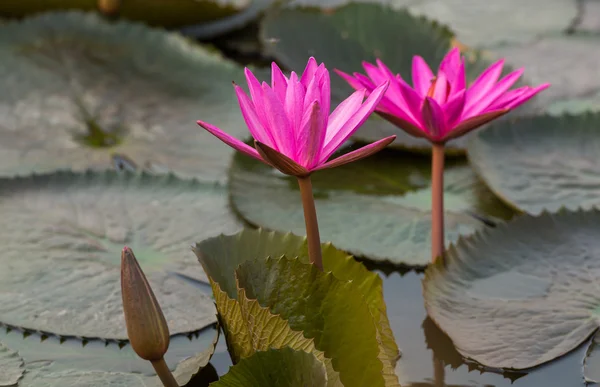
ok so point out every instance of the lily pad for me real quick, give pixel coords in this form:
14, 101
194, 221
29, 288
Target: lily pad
521, 294
76, 89
62, 241
591, 365
11, 366
344, 37
377, 208
166, 13
541, 163
276, 368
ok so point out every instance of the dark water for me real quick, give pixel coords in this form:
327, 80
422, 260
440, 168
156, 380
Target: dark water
418, 338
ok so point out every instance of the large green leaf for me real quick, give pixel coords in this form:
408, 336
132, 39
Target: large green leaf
378, 208
11, 366
357, 32
61, 244
521, 294
276, 368
330, 311
221, 256
541, 163
76, 89
167, 13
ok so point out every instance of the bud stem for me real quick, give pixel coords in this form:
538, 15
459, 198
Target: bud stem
437, 201
164, 373
310, 219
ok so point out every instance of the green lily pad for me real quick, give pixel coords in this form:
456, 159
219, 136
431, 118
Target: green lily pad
521, 294
344, 37
166, 13
62, 242
330, 311
97, 360
377, 208
76, 89
276, 368
541, 163
11, 366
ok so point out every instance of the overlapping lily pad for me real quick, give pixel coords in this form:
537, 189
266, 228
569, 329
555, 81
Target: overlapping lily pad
591, 366
166, 13
344, 37
274, 368
378, 208
49, 360
76, 89
11, 366
541, 163
521, 294
62, 237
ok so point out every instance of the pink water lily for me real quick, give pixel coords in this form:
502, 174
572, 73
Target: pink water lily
290, 121
443, 107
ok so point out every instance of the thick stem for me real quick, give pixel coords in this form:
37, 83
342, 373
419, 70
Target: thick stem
439, 373
164, 373
310, 219
437, 201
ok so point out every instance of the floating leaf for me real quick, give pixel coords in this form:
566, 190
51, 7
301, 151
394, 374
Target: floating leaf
62, 241
276, 368
378, 208
166, 13
190, 367
541, 163
11, 366
344, 37
521, 294
76, 89
330, 311
220, 257
591, 365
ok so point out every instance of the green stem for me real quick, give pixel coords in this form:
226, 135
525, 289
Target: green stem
310, 219
437, 201
164, 373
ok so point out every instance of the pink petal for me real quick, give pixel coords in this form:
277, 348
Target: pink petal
366, 82
249, 113
279, 82
230, 140
421, 75
433, 118
412, 102
312, 135
325, 87
358, 154
294, 104
527, 96
484, 83
352, 125
394, 93
309, 71
257, 96
376, 75
343, 112
473, 123
441, 89
507, 98
279, 125
453, 67
453, 109
496, 92
353, 82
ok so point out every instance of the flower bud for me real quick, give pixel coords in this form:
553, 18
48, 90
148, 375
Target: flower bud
146, 325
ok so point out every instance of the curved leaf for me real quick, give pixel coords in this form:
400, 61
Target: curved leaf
521, 294
541, 163
330, 311
221, 256
62, 242
344, 37
11, 366
378, 208
591, 365
166, 13
77, 88
276, 368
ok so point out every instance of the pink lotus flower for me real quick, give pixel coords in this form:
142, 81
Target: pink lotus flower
291, 125
443, 107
